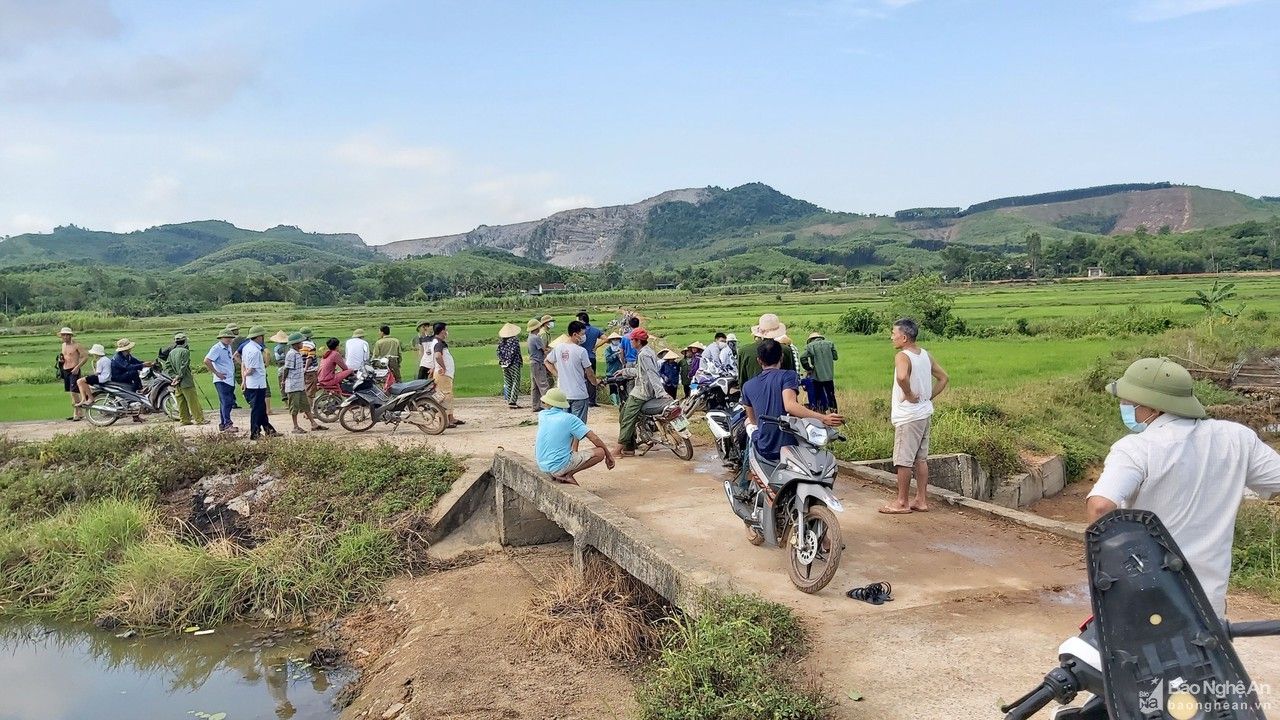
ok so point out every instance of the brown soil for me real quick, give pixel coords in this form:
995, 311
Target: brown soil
1068, 505
447, 646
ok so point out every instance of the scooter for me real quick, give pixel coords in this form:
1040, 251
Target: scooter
790, 504
327, 403
726, 419
112, 401
410, 402
1155, 647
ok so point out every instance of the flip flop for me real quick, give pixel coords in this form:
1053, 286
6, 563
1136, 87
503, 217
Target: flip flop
876, 593
886, 510
919, 509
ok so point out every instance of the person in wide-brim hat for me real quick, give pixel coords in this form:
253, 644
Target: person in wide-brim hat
124, 345
1159, 384
558, 434
509, 330
816, 336
539, 323
66, 331
280, 337
769, 327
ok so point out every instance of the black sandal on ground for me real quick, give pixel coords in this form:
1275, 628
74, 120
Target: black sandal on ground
877, 593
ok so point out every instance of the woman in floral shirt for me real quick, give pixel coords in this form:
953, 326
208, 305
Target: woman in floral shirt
510, 360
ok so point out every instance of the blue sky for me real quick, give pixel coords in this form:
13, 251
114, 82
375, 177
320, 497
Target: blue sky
405, 119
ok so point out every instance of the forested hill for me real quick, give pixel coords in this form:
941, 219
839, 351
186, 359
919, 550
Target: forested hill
173, 246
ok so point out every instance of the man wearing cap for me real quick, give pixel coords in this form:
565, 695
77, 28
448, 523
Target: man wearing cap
125, 368
510, 360
70, 359
101, 375
254, 367
295, 386
184, 382
559, 433
820, 358
569, 362
647, 386
389, 347
539, 380
1190, 471
357, 355
221, 365
769, 328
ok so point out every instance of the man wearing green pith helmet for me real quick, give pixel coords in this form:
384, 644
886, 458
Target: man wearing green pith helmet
1188, 470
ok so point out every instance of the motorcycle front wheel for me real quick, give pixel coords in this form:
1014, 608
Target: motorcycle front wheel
356, 418
169, 404
326, 406
428, 416
813, 562
110, 412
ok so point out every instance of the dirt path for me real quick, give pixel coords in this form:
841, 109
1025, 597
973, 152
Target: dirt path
981, 605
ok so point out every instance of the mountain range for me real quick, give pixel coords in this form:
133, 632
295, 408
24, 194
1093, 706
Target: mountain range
749, 225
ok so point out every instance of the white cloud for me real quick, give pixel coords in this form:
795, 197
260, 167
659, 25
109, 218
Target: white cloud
27, 223
1156, 10
30, 23
161, 189
371, 151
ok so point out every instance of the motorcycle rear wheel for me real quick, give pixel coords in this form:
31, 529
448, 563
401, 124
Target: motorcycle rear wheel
103, 418
326, 406
356, 418
435, 417
821, 526
169, 404
644, 440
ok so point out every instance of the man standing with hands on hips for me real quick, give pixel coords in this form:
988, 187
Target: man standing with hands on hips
254, 369
917, 380
222, 366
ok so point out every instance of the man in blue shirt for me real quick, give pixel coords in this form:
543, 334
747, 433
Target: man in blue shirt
223, 368
772, 393
593, 338
559, 433
254, 368
630, 351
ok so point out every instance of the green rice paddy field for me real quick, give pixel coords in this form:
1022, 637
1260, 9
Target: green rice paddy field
978, 366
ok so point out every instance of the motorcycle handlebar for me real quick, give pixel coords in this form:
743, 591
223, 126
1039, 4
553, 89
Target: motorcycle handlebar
1255, 628
1029, 704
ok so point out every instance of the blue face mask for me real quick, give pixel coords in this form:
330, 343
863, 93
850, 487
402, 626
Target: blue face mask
1129, 415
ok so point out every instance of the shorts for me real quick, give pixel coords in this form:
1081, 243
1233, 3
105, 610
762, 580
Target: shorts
444, 391
576, 461
298, 402
92, 379
911, 442
69, 378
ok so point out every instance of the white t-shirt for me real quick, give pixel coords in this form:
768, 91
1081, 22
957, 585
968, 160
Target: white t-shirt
442, 347
571, 359
1192, 474
103, 369
428, 359
921, 379
357, 353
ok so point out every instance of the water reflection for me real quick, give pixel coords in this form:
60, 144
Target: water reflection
62, 671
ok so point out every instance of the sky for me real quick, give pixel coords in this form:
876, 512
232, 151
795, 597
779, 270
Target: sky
409, 119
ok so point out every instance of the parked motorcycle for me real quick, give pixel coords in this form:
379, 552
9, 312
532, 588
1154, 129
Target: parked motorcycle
1154, 647
327, 403
790, 504
113, 401
662, 422
726, 418
412, 402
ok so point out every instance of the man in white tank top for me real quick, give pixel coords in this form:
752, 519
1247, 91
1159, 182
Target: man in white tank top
917, 380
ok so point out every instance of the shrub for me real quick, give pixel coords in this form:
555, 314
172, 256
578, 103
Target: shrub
1255, 557
861, 321
922, 299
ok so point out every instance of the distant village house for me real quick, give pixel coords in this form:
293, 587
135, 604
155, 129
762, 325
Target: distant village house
544, 288
1095, 272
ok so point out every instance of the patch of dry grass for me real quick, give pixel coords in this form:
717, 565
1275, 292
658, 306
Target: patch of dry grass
604, 615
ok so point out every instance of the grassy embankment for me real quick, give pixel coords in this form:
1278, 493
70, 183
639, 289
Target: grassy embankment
88, 530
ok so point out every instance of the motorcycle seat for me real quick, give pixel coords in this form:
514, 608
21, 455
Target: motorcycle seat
117, 386
761, 467
655, 406
410, 386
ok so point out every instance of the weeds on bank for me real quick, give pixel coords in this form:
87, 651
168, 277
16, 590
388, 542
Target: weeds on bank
1255, 557
81, 536
732, 662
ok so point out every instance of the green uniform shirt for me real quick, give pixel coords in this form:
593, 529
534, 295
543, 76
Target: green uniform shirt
749, 364
387, 347
180, 366
820, 356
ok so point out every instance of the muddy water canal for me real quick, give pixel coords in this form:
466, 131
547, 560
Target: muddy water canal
69, 672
